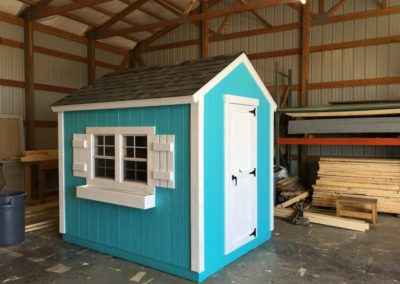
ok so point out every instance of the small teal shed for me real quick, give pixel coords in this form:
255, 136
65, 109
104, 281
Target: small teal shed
170, 167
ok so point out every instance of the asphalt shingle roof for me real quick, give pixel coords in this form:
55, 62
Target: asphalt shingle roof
150, 82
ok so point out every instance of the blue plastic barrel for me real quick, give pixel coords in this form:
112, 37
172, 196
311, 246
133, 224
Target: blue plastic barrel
12, 218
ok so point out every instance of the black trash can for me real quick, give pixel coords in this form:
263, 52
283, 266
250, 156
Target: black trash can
12, 218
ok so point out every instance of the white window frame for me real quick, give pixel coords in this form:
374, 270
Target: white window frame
119, 184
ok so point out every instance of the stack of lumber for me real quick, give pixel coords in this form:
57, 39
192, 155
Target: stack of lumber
41, 217
358, 177
289, 187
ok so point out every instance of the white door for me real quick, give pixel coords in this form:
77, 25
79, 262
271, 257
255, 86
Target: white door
240, 175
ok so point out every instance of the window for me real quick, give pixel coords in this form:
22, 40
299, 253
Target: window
120, 167
135, 158
104, 158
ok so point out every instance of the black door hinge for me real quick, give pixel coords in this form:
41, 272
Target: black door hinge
254, 233
253, 112
253, 172
234, 179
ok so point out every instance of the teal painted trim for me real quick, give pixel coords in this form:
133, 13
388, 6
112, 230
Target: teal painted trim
158, 265
240, 83
161, 234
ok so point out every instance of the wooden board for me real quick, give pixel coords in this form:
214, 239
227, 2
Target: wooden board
11, 136
317, 218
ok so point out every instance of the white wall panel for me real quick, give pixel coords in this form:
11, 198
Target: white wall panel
12, 101
10, 31
11, 63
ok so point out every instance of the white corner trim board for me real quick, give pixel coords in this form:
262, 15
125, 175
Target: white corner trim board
241, 100
61, 176
197, 186
271, 168
116, 197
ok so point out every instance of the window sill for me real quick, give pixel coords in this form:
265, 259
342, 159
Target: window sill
116, 197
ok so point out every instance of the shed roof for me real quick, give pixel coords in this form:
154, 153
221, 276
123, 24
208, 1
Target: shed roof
154, 82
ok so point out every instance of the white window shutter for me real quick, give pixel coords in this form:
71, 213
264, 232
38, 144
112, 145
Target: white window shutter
163, 166
80, 145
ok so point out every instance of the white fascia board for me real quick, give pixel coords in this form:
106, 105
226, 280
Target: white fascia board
227, 70
126, 104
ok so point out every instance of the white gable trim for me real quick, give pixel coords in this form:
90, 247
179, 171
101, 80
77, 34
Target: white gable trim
227, 70
126, 104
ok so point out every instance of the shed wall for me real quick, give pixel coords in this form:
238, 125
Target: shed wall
158, 237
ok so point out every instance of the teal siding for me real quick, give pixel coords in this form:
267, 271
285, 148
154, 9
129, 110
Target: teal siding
159, 237
239, 83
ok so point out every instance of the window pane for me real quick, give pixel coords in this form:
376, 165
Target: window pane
141, 153
129, 140
100, 151
109, 140
140, 141
130, 152
104, 168
100, 140
135, 171
109, 151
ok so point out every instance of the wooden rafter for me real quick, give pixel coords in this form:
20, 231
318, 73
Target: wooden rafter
257, 15
335, 8
120, 15
232, 9
111, 14
170, 7
146, 11
222, 25
60, 10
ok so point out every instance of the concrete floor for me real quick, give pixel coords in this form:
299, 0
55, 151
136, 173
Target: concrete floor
296, 254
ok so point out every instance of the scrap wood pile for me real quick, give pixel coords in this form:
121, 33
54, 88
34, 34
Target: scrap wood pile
358, 177
41, 217
293, 205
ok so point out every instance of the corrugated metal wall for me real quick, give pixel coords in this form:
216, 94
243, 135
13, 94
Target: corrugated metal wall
49, 70
345, 64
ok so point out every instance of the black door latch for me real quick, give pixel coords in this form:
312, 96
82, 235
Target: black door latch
253, 172
253, 111
234, 178
254, 233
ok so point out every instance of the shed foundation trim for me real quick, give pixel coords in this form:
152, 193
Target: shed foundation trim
116, 197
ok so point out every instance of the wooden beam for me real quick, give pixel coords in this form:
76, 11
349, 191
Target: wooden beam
146, 11
305, 52
261, 19
293, 200
29, 84
35, 8
119, 16
170, 7
222, 25
37, 86
355, 83
59, 10
321, 6
350, 141
296, 7
211, 14
56, 53
335, 8
91, 66
204, 31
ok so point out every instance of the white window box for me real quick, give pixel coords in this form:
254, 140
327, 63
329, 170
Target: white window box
96, 193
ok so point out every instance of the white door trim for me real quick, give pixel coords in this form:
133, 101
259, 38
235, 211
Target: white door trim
197, 185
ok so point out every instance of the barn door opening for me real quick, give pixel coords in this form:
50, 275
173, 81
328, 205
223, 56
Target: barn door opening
240, 173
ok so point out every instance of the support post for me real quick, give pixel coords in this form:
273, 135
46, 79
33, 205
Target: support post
305, 52
29, 84
204, 37
91, 60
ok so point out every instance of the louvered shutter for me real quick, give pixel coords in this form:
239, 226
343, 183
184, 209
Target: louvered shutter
163, 166
80, 145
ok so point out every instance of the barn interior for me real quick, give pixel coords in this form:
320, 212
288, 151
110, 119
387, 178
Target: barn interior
333, 70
